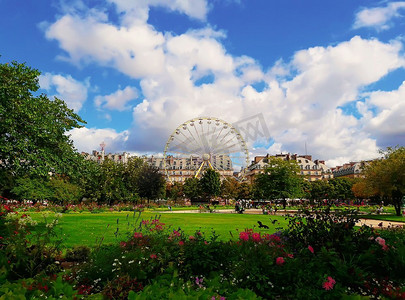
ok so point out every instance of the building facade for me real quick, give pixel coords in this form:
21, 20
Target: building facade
311, 170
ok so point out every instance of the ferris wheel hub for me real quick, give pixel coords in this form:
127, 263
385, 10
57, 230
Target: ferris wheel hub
206, 157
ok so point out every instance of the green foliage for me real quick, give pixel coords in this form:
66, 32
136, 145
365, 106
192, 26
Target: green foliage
192, 188
280, 180
320, 189
32, 128
229, 188
341, 188
78, 254
151, 184
387, 176
55, 189
210, 183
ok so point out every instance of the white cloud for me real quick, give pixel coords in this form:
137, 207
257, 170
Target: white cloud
135, 51
378, 17
384, 115
300, 101
73, 92
117, 100
89, 139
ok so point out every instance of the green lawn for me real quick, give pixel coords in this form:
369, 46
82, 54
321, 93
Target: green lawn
387, 217
88, 229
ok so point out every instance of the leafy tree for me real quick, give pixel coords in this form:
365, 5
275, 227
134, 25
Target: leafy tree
192, 189
320, 189
280, 180
229, 188
33, 128
210, 183
387, 176
174, 190
341, 188
34, 189
151, 184
244, 191
62, 191
361, 190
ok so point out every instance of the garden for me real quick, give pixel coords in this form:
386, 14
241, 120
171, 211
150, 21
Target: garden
141, 254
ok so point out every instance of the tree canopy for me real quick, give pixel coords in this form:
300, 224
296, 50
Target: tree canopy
33, 128
210, 183
386, 176
280, 180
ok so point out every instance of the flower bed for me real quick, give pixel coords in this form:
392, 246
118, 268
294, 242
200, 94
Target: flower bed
319, 256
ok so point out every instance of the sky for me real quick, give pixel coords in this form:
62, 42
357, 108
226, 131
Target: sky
320, 77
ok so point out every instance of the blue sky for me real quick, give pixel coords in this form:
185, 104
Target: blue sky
328, 74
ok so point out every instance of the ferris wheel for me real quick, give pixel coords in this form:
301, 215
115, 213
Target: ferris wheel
203, 143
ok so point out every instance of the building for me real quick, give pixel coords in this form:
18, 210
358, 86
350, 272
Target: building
100, 156
350, 170
311, 170
178, 169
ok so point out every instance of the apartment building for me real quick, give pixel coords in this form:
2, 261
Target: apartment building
311, 169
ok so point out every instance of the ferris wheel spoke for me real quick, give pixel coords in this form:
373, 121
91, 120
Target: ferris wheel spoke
180, 146
185, 145
224, 146
190, 140
197, 142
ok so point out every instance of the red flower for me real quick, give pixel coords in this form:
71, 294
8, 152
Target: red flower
329, 283
290, 255
181, 243
311, 249
256, 237
153, 256
244, 236
138, 235
280, 261
123, 244
191, 238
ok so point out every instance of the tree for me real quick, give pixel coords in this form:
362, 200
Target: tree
244, 191
33, 128
361, 190
210, 183
192, 189
151, 184
387, 176
320, 189
174, 190
280, 180
229, 188
341, 188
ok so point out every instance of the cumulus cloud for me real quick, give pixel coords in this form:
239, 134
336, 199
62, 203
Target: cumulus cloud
73, 92
192, 74
384, 114
117, 100
89, 139
378, 17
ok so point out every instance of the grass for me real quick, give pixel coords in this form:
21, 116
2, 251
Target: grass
91, 229
384, 217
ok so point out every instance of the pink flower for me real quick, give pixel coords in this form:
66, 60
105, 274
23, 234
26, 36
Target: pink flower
181, 243
290, 255
385, 247
244, 236
191, 238
311, 249
153, 256
256, 237
138, 235
280, 261
380, 241
329, 283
